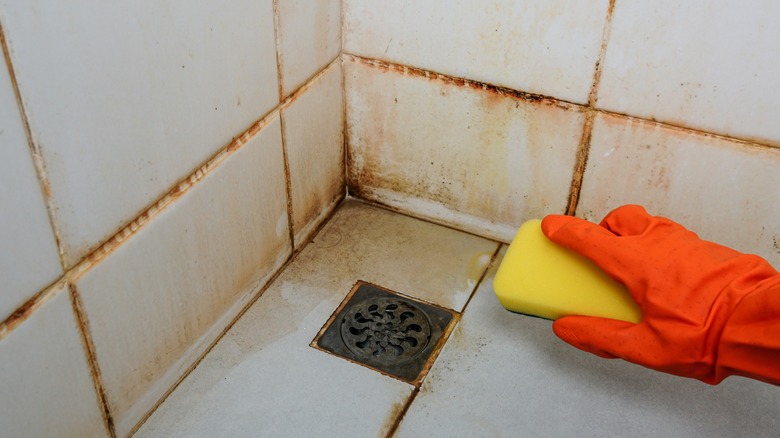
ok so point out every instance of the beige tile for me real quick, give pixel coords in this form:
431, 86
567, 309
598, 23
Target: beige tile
505, 374
28, 260
309, 38
314, 138
263, 378
478, 160
125, 99
725, 191
539, 46
157, 301
46, 386
703, 64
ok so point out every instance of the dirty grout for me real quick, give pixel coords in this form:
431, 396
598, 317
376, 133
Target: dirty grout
37, 157
89, 348
580, 163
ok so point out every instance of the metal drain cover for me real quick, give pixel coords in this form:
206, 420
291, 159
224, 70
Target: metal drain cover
384, 330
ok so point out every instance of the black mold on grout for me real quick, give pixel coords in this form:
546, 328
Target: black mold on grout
580, 164
37, 157
89, 350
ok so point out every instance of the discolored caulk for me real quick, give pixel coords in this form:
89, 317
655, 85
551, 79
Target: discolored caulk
384, 330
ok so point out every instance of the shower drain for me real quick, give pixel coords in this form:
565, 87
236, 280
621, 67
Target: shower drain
384, 330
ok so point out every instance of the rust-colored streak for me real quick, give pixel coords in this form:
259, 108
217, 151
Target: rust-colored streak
580, 164
89, 348
594, 89
461, 82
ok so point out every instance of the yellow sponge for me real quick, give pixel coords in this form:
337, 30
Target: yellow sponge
538, 277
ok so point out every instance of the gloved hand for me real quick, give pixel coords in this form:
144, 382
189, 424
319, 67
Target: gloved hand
707, 311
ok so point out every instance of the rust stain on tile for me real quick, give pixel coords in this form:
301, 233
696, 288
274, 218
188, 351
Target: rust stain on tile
92, 362
393, 418
497, 90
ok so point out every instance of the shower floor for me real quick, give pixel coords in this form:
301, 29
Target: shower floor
498, 374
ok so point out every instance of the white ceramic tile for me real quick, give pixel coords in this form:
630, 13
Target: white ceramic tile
28, 259
314, 138
46, 386
157, 301
724, 191
309, 38
472, 158
703, 64
505, 374
125, 99
263, 378
539, 46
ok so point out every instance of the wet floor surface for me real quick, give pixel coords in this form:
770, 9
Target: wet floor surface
498, 374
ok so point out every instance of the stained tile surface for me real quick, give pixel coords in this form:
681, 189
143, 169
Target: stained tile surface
724, 191
482, 161
263, 378
538, 46
309, 38
28, 258
505, 374
46, 384
162, 296
124, 99
314, 138
702, 64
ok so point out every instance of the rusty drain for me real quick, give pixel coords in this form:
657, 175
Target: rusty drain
384, 330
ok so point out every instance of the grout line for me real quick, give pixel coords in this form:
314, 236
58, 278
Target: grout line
594, 89
411, 214
37, 157
89, 349
580, 163
406, 70
345, 148
29, 307
583, 150
402, 414
285, 157
482, 277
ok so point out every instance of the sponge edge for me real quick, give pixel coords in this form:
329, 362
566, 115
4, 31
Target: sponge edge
538, 277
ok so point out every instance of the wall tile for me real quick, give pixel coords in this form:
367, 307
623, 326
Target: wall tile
314, 136
724, 191
309, 38
28, 259
539, 46
702, 64
472, 158
157, 301
124, 99
44, 377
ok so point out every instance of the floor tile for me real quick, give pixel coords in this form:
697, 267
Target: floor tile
125, 99
505, 374
479, 160
263, 378
314, 138
703, 64
538, 46
44, 377
161, 297
309, 38
724, 191
29, 259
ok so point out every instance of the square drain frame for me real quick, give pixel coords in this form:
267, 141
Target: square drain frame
386, 331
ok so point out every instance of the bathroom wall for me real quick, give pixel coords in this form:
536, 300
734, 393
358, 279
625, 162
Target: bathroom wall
161, 161
482, 114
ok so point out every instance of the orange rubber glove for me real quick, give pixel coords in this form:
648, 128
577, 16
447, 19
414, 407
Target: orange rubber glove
707, 311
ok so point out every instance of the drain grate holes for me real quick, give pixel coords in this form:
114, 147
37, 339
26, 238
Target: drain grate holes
385, 330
